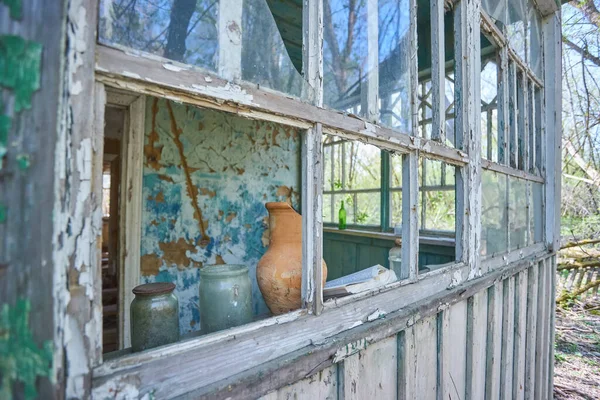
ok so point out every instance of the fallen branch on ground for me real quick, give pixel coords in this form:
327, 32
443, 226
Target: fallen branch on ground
579, 243
567, 295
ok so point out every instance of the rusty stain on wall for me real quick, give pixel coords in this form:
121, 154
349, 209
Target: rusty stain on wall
206, 178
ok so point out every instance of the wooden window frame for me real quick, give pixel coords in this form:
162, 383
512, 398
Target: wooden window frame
222, 360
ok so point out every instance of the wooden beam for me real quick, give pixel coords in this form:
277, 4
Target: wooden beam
183, 83
372, 95
77, 215
553, 127
312, 221
312, 51
506, 170
410, 217
230, 40
468, 133
130, 213
438, 71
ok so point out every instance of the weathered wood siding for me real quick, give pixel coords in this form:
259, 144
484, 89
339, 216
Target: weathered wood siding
496, 344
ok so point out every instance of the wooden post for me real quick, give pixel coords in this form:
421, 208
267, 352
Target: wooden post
553, 127
312, 50
372, 111
312, 221
130, 204
468, 132
230, 40
438, 73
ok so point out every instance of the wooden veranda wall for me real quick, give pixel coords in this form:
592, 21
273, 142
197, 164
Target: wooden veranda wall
495, 344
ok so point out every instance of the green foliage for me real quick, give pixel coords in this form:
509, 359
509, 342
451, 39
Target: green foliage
20, 358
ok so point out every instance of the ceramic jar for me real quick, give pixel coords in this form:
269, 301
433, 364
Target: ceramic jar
154, 316
225, 297
279, 271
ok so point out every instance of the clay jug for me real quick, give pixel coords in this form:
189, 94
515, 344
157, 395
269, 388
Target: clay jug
279, 271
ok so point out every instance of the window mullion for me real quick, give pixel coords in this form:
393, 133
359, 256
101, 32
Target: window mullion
468, 132
312, 161
385, 191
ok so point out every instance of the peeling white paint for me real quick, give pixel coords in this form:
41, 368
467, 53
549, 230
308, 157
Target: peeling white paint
375, 315
174, 68
131, 75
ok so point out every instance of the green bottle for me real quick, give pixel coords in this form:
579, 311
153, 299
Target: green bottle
342, 217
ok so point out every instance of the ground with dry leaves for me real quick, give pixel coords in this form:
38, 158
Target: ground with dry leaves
577, 351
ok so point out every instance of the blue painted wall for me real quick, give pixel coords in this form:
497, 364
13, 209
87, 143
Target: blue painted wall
235, 166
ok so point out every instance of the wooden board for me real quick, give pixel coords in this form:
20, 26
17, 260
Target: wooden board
494, 341
508, 323
371, 373
322, 385
452, 336
476, 345
520, 335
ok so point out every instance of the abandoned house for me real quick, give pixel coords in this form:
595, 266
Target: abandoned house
316, 199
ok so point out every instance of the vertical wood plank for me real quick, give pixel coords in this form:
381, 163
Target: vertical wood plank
372, 109
494, 341
438, 73
418, 361
508, 324
503, 113
552, 319
452, 336
312, 50
407, 364
520, 336
477, 323
98, 167
77, 210
540, 348
410, 219
132, 156
531, 331
513, 115
553, 126
547, 299
371, 373
468, 132
322, 385
312, 222
230, 40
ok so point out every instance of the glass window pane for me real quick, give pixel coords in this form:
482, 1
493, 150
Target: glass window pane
394, 71
537, 223
396, 205
362, 166
367, 209
494, 234
517, 213
188, 32
366, 64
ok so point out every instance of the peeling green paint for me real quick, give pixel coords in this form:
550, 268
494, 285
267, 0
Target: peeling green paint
20, 358
15, 8
23, 161
2, 213
20, 61
4, 128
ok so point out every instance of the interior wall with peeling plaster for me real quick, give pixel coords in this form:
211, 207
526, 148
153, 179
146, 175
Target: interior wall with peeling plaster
230, 167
